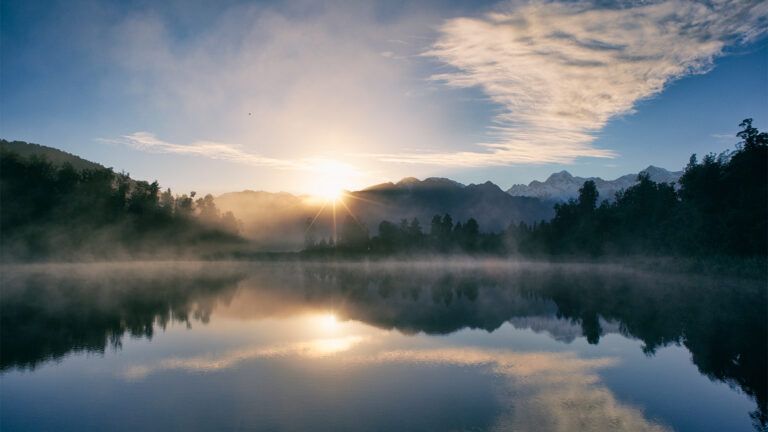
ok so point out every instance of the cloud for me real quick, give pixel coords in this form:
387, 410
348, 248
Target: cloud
560, 71
148, 142
280, 83
285, 85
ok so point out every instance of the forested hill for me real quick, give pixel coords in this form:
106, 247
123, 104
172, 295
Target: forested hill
57, 206
55, 156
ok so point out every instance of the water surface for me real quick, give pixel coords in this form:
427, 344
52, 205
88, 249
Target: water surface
481, 345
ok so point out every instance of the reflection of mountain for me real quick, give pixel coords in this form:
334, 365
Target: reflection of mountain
46, 314
276, 220
563, 186
565, 331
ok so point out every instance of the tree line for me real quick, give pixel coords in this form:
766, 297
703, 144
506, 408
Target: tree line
407, 236
55, 210
718, 207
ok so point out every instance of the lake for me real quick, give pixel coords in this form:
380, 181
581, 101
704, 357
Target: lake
390, 346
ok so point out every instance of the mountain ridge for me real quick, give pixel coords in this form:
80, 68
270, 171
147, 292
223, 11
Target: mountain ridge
273, 217
562, 185
54, 155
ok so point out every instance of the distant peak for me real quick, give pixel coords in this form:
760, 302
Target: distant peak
565, 175
407, 180
656, 169
442, 181
387, 185
487, 186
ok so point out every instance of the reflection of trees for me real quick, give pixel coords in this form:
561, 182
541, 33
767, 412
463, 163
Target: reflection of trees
45, 317
433, 302
721, 322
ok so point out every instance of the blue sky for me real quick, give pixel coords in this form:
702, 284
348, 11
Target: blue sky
296, 96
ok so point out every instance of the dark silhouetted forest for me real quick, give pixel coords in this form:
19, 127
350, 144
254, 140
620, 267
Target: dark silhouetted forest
407, 236
720, 207
53, 210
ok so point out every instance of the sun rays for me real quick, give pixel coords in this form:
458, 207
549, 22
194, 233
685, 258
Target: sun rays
335, 199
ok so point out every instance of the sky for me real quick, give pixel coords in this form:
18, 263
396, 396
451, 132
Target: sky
305, 96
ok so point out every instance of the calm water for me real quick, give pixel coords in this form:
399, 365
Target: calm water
386, 347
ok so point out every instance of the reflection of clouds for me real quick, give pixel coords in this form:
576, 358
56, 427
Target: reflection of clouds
209, 363
542, 391
504, 362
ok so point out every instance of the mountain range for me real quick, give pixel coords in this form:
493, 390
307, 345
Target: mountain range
277, 221
562, 186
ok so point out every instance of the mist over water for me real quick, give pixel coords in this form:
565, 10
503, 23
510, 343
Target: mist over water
431, 345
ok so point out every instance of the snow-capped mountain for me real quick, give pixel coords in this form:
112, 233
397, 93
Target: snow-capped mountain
562, 185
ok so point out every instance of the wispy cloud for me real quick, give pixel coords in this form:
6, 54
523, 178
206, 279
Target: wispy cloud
148, 142
725, 138
560, 71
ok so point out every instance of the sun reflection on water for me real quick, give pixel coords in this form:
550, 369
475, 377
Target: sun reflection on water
327, 323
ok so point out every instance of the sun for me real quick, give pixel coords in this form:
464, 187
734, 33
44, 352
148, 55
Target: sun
329, 193
328, 180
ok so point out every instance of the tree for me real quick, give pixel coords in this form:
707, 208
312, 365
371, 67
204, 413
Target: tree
353, 235
414, 229
470, 235
229, 223
143, 198
752, 138
588, 197
185, 205
436, 227
167, 202
389, 235
206, 209
441, 231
